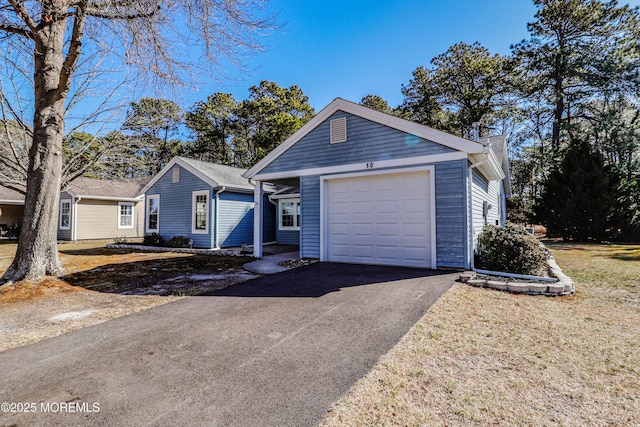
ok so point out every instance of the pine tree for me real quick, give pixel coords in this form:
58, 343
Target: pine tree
578, 196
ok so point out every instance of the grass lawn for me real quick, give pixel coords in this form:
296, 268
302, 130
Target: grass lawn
482, 357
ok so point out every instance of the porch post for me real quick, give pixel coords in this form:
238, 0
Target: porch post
258, 209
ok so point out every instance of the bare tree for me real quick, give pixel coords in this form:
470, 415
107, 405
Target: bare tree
155, 37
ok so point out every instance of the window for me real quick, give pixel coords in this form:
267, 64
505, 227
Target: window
175, 175
200, 212
65, 214
289, 214
125, 215
153, 213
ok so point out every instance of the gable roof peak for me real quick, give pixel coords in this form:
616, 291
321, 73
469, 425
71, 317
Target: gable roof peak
214, 174
338, 104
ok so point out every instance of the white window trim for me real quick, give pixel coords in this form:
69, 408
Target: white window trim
146, 213
64, 227
133, 216
194, 196
295, 227
175, 175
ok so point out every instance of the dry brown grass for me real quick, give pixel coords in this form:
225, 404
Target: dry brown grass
481, 357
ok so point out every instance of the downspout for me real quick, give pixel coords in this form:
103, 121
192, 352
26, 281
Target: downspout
470, 216
217, 245
74, 231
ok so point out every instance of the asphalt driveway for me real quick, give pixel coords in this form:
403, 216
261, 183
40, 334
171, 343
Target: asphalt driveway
274, 351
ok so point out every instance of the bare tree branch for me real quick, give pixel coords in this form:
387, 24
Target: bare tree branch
20, 9
15, 30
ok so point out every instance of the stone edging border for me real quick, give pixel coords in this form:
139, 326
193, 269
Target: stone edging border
564, 285
227, 252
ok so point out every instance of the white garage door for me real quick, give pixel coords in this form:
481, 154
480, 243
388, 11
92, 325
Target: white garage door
379, 219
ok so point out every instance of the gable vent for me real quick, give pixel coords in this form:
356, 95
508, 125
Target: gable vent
338, 130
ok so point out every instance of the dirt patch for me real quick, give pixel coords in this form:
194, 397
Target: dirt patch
178, 275
102, 284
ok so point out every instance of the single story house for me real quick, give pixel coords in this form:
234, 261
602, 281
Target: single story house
89, 209
93, 208
373, 188
208, 203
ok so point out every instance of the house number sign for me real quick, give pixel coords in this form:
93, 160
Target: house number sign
369, 165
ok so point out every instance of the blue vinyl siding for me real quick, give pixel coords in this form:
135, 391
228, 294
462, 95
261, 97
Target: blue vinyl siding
310, 216
236, 219
269, 221
288, 237
367, 141
176, 206
451, 229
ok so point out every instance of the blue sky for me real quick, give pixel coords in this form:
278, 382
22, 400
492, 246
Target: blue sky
349, 49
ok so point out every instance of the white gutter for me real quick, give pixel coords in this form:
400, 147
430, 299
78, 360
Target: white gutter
216, 214
12, 202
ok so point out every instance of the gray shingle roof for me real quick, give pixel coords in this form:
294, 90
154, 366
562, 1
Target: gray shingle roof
10, 195
112, 188
224, 176
499, 147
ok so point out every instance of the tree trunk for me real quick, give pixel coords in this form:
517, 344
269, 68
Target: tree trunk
37, 252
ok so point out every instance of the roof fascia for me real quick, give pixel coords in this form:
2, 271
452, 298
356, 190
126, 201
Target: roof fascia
114, 199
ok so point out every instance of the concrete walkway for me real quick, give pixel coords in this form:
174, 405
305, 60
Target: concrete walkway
274, 351
269, 264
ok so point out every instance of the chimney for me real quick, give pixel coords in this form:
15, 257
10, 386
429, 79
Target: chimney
475, 134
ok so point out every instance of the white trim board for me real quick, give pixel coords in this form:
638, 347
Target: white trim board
460, 144
373, 165
432, 205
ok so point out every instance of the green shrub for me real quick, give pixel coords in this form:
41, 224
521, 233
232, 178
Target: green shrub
153, 239
178, 242
510, 249
121, 240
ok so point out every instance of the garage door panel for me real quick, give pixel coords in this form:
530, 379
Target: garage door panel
388, 230
379, 219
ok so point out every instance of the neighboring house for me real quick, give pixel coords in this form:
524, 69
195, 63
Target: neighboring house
372, 188
89, 209
11, 209
210, 204
101, 209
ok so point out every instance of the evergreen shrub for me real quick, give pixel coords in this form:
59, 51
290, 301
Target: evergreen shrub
510, 249
153, 239
178, 242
